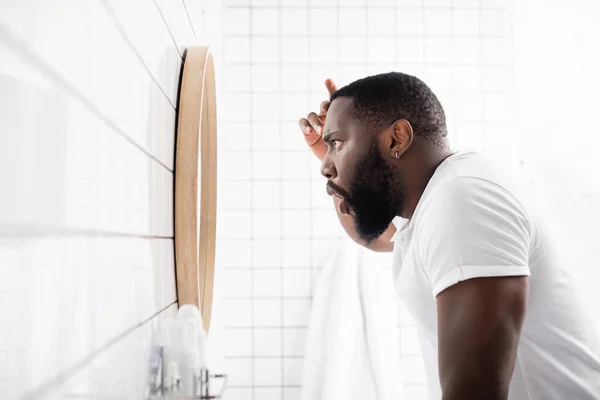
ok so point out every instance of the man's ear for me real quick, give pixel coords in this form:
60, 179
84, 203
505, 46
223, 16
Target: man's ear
402, 137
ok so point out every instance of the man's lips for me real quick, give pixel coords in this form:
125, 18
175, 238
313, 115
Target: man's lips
341, 202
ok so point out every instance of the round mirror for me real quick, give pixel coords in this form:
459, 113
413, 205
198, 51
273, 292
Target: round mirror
196, 182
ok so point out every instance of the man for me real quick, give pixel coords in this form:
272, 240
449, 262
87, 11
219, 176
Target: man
497, 315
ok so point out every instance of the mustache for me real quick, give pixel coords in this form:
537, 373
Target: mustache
338, 190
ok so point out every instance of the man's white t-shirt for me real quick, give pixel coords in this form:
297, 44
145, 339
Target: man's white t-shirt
473, 220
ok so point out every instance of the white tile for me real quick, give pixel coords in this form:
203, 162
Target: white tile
265, 49
266, 224
265, 21
296, 312
266, 107
438, 50
266, 136
237, 21
495, 22
410, 50
468, 78
293, 393
468, 108
267, 253
325, 224
238, 108
351, 73
237, 49
267, 283
296, 194
238, 342
296, 253
265, 165
267, 312
78, 294
234, 224
239, 283
267, 372
293, 107
352, 49
266, 195
235, 195
237, 78
324, 50
294, 50
294, 340
469, 135
270, 3
497, 78
466, 22
438, 22
352, 22
265, 78
296, 165
233, 253
239, 371
294, 3
467, 50
267, 342
437, 3
381, 50
296, 224
238, 312
235, 166
234, 136
264, 393
410, 22
178, 21
496, 50
88, 176
145, 28
467, 3
292, 137
318, 74
292, 371
497, 107
323, 21
439, 78
294, 22
297, 282
236, 393
49, 34
294, 78
380, 22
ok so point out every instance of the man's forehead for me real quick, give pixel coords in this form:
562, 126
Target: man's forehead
339, 112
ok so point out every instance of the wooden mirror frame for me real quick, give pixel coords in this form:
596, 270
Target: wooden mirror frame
196, 182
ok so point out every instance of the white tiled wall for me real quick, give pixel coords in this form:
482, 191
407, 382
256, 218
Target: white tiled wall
277, 222
88, 92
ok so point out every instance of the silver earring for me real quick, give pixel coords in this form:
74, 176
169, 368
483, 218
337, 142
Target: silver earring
397, 155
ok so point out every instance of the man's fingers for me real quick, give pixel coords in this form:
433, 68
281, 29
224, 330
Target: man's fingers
331, 88
305, 126
315, 122
323, 109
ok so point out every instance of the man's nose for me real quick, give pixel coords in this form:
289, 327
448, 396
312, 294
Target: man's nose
328, 169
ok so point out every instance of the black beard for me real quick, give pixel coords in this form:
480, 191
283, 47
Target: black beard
376, 195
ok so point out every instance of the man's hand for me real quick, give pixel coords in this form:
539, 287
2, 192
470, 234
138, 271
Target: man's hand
312, 128
479, 323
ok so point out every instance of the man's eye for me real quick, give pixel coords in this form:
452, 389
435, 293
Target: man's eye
337, 143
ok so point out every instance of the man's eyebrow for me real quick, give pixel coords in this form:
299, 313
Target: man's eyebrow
328, 135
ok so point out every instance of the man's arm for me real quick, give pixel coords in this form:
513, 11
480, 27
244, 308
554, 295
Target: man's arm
479, 323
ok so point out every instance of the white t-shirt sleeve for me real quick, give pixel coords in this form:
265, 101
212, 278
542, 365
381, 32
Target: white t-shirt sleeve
472, 228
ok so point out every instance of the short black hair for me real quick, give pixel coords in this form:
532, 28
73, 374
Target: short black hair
380, 100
